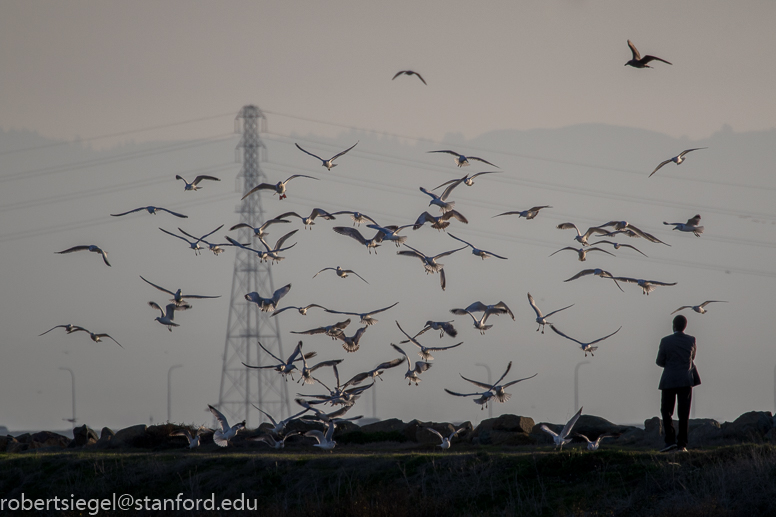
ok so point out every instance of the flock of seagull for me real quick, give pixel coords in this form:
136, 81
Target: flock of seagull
346, 394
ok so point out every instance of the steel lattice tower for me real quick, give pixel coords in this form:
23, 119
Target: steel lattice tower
247, 325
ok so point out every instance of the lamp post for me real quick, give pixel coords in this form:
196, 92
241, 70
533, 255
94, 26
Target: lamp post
576, 384
169, 390
72, 378
490, 381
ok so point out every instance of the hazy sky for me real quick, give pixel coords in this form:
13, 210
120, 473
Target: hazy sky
322, 73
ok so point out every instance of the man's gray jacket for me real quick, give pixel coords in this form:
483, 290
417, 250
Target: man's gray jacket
675, 356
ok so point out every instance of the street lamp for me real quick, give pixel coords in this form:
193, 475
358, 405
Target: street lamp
490, 382
576, 384
72, 378
169, 390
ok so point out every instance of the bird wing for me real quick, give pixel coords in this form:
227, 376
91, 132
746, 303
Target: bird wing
343, 152
456, 238
684, 307
308, 152
266, 414
454, 214
156, 306
109, 337
601, 339
350, 232
280, 293
74, 248
176, 214
567, 337
450, 187
503, 307
483, 161
438, 348
425, 217
635, 52
381, 310
402, 352
354, 273
52, 328
129, 212
202, 177
279, 360
690, 150
260, 186
510, 383
661, 164
220, 418
564, 249
322, 270
299, 176
442, 279
462, 394
320, 212
482, 385
694, 221
431, 429
533, 304
548, 430
433, 196
446, 253
584, 272
649, 58
174, 235
421, 366
569, 226
158, 287
558, 310
282, 240
567, 428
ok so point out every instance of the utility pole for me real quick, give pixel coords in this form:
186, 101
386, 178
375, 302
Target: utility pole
72, 379
247, 325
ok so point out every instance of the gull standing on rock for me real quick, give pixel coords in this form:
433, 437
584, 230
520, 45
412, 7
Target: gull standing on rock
563, 437
676, 159
226, 433
92, 248
700, 309
330, 162
540, 318
463, 161
588, 348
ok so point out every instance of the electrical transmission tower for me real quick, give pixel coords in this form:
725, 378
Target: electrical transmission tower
247, 325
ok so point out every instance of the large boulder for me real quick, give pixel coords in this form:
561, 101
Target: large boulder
384, 426
4, 441
504, 430
704, 431
751, 426
594, 426
83, 435
106, 435
48, 439
126, 437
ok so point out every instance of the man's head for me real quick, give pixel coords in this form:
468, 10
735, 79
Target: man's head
680, 323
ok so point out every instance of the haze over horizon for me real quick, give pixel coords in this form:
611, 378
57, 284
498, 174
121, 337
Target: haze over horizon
136, 99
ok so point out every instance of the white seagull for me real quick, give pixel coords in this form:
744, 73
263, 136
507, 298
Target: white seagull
329, 330
497, 309
177, 296
593, 445
365, 317
466, 180
330, 162
425, 351
226, 433
307, 371
268, 304
301, 310
413, 374
260, 230
194, 184
353, 233
581, 252
563, 437
97, 338
287, 367
342, 273
279, 426
445, 439
444, 327
596, 272
676, 159
588, 347
358, 217
499, 390
463, 161
151, 210
483, 254
194, 244
409, 72
269, 253
375, 372
325, 441
168, 314
441, 222
279, 187
647, 286
92, 248
483, 397
213, 247
440, 201
541, 319
309, 221
690, 226
193, 440
629, 230
69, 328
528, 214
581, 237
700, 309
391, 232
350, 344
430, 263
618, 245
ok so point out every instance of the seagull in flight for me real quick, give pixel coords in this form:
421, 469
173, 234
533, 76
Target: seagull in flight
193, 440
499, 390
307, 371
69, 328
358, 217
581, 237
484, 397
287, 367
177, 296
630, 230
168, 314
375, 372
588, 347
425, 351
563, 437
409, 72
444, 327
641, 62
593, 445
310, 220
330, 162
463, 161
445, 439
151, 210
270, 440
342, 273
690, 226
581, 252
268, 304
92, 248
365, 317
413, 374
676, 159
302, 310
226, 433
371, 244
195, 243
279, 187
441, 222
97, 338
440, 201
329, 330
596, 272
647, 286
618, 245
466, 180
280, 425
270, 253
260, 230
430, 263
391, 232
483, 254
541, 319
194, 184
528, 214
325, 441
350, 344
700, 309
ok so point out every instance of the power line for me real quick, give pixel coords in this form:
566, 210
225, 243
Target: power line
114, 135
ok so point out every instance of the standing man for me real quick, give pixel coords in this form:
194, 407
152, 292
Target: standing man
675, 356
